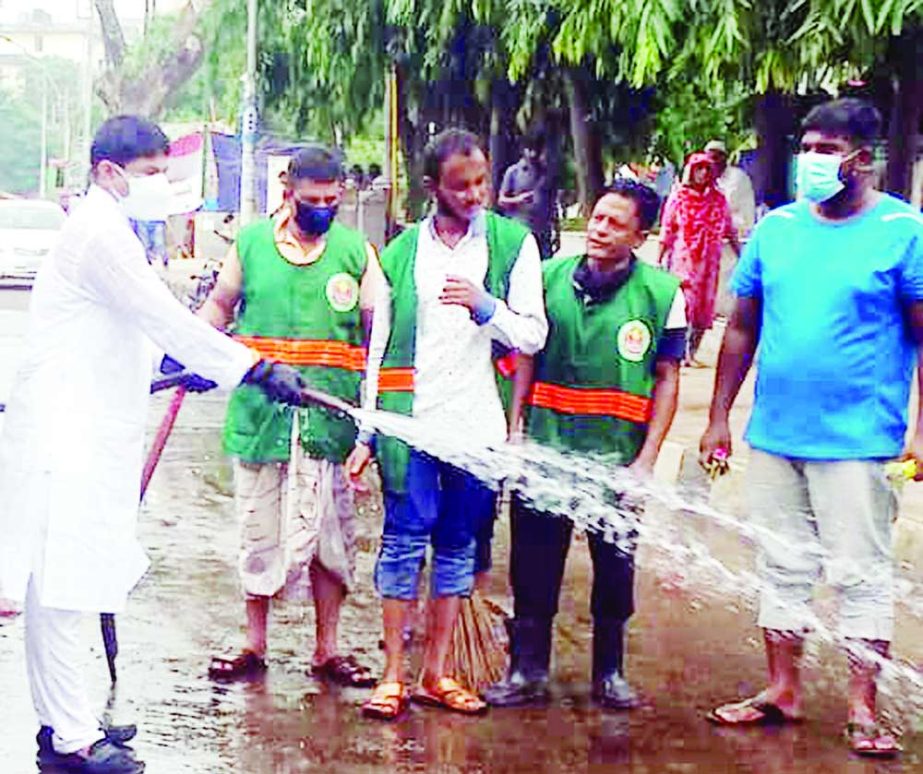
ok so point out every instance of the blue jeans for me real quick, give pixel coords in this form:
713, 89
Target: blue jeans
442, 507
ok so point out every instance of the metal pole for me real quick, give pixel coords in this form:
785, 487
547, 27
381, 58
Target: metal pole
88, 98
43, 164
390, 171
248, 127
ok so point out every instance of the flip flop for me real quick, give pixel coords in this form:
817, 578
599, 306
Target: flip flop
769, 715
449, 694
345, 671
869, 741
387, 702
243, 666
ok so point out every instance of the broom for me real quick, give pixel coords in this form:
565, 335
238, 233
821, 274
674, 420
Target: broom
478, 656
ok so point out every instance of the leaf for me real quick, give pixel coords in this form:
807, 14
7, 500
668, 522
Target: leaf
868, 14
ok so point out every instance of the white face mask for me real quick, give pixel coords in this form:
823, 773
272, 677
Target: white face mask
149, 197
817, 175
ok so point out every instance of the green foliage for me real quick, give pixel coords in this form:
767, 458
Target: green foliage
687, 116
20, 150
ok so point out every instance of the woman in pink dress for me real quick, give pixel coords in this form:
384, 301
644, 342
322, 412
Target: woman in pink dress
696, 221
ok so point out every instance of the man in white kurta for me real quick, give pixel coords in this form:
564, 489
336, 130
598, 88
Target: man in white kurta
71, 448
737, 188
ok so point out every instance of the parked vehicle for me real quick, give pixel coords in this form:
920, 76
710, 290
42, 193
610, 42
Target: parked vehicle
28, 230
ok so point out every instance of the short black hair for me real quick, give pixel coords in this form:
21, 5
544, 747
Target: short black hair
123, 139
315, 162
855, 119
535, 140
647, 202
448, 142
374, 169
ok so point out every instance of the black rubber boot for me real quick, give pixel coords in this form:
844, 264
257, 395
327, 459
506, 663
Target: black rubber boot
530, 657
610, 689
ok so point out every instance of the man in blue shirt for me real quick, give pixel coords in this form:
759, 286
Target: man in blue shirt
831, 290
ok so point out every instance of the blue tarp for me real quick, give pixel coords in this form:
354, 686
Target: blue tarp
226, 148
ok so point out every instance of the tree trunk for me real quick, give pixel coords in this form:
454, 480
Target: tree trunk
503, 108
587, 150
774, 120
150, 93
905, 54
413, 136
113, 37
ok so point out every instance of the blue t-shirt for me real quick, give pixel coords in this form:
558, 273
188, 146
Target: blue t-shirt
836, 355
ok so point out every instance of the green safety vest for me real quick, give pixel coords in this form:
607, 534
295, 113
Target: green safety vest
594, 380
304, 316
395, 389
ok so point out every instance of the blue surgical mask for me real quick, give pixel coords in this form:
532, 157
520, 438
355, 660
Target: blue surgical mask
817, 175
314, 220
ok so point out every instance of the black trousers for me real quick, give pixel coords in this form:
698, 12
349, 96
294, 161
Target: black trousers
540, 543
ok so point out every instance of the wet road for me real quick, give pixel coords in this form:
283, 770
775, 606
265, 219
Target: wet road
687, 651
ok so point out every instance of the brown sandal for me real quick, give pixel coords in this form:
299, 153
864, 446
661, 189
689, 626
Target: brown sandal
449, 694
387, 702
243, 666
345, 671
869, 741
764, 713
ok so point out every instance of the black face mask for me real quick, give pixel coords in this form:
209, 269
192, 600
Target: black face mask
314, 220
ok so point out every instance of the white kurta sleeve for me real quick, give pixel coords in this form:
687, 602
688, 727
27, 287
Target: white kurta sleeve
520, 322
378, 341
116, 272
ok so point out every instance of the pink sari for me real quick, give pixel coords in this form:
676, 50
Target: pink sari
694, 226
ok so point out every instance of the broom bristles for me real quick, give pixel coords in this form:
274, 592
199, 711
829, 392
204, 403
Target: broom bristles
479, 645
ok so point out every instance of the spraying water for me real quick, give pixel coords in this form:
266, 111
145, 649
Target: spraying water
597, 495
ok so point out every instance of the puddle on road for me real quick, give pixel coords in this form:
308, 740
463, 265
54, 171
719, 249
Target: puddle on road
687, 651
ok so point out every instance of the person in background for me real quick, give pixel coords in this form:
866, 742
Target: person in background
664, 172
606, 383
525, 192
736, 186
356, 177
72, 443
830, 304
299, 287
456, 283
376, 178
696, 221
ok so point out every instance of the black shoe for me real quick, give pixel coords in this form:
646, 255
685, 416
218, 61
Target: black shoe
518, 691
120, 736
613, 692
104, 758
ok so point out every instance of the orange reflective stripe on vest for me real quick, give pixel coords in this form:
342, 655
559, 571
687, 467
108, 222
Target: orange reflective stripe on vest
591, 402
395, 380
308, 352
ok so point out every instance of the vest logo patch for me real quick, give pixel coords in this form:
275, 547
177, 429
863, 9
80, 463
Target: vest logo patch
342, 292
634, 340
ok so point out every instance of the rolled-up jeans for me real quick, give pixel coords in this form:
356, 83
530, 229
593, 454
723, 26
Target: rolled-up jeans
824, 519
443, 507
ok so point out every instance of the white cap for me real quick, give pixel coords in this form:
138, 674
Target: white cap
716, 145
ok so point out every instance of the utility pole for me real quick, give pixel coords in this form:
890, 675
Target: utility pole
391, 144
43, 153
248, 124
88, 97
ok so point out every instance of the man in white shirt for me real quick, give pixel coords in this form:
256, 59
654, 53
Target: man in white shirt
457, 284
71, 448
736, 186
